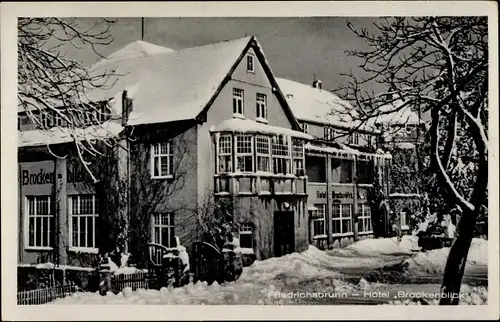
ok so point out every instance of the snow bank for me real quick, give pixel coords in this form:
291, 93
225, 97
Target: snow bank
434, 261
381, 246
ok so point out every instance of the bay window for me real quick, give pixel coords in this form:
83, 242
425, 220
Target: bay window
225, 153
281, 154
263, 151
41, 225
82, 221
244, 153
162, 159
298, 156
341, 218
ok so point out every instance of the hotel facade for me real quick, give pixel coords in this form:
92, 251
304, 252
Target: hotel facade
196, 124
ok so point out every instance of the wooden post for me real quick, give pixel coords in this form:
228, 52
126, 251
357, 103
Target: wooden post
354, 198
60, 199
329, 200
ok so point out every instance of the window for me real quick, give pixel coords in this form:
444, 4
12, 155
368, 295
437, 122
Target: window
341, 171
281, 155
354, 138
163, 229
51, 118
364, 218
225, 151
298, 156
162, 160
263, 150
341, 218
82, 218
329, 134
316, 169
246, 235
238, 101
40, 221
261, 100
365, 172
319, 227
250, 63
244, 153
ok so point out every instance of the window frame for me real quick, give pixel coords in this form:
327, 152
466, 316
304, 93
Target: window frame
50, 216
244, 154
170, 159
225, 154
71, 216
328, 133
237, 98
342, 218
323, 219
364, 216
170, 226
250, 61
261, 105
297, 157
267, 155
279, 156
248, 231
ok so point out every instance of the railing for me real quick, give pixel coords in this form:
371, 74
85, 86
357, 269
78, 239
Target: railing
259, 184
45, 295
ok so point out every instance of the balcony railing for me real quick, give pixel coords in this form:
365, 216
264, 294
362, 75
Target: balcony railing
260, 184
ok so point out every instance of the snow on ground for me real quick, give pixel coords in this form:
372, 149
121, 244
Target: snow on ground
376, 247
310, 271
434, 261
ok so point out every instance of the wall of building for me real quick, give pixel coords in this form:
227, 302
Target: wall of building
259, 211
177, 194
222, 109
41, 174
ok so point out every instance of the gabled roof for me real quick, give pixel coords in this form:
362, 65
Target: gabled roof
177, 85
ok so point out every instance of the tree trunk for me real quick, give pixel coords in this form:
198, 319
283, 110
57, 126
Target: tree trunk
455, 264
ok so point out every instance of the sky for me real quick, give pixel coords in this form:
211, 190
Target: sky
296, 48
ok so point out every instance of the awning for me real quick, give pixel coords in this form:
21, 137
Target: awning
345, 152
237, 125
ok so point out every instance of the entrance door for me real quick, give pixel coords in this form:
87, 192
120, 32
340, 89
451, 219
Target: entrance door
284, 233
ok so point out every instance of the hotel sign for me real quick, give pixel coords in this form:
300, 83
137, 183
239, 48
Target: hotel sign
335, 195
41, 176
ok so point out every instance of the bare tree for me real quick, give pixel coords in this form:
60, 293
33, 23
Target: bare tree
52, 88
438, 65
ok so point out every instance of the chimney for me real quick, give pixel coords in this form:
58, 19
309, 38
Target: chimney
126, 107
317, 84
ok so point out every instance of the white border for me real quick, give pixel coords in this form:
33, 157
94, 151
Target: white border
9, 12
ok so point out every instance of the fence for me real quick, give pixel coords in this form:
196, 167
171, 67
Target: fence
45, 295
134, 281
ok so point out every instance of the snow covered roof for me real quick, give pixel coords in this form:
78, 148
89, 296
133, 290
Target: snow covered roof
403, 116
346, 152
134, 49
174, 85
58, 135
249, 126
316, 105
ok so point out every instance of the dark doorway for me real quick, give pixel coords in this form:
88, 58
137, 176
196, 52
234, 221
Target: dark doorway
284, 233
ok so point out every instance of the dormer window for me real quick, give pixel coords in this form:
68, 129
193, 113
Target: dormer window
250, 63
